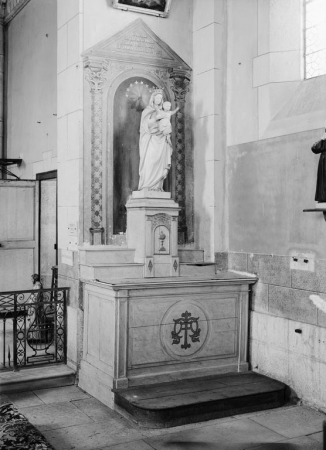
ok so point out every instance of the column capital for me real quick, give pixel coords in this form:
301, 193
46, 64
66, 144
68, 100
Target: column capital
180, 85
96, 75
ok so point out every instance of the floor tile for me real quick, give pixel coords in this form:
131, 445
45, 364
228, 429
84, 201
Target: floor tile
24, 399
259, 413
317, 437
57, 415
62, 394
300, 443
134, 445
4, 399
151, 432
95, 409
235, 435
92, 436
292, 423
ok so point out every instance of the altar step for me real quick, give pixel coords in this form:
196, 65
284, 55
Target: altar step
107, 272
102, 262
33, 378
105, 254
177, 403
191, 256
197, 269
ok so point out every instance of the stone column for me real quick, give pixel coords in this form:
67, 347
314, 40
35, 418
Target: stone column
180, 87
97, 74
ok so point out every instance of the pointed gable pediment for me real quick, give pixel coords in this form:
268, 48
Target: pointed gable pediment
139, 44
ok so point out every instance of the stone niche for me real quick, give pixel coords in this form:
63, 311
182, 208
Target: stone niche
120, 72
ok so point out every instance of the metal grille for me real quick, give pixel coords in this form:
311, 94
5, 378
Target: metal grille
315, 38
33, 327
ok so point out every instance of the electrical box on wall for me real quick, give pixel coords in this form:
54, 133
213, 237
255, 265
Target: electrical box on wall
302, 261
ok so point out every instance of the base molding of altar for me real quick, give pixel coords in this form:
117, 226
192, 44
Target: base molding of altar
146, 331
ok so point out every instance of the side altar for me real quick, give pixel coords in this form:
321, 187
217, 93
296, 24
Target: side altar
151, 330
154, 310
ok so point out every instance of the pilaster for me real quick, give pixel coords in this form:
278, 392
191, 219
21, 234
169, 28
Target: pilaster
210, 47
96, 75
180, 86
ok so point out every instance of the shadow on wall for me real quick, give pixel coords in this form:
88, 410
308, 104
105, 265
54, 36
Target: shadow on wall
202, 191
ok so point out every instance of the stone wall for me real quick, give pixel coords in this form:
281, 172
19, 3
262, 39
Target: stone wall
287, 331
70, 163
274, 117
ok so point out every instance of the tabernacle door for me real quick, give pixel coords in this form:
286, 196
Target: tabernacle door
18, 233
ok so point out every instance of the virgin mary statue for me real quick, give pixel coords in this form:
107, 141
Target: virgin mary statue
154, 147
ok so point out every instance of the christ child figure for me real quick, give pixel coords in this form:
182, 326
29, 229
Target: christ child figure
164, 119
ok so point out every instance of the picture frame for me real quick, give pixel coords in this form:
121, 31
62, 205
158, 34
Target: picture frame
159, 8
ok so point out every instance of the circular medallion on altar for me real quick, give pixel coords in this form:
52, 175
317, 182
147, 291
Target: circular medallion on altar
184, 330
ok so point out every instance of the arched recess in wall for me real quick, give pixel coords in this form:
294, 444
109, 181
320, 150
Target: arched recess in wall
127, 97
133, 52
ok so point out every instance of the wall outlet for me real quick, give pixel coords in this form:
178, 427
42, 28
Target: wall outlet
302, 261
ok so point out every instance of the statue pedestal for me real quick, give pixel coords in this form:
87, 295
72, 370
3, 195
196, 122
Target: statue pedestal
152, 230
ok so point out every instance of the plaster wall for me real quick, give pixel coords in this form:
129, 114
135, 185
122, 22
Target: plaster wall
274, 117
101, 21
70, 161
31, 110
209, 78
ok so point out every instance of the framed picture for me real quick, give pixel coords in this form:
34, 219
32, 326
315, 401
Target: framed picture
158, 8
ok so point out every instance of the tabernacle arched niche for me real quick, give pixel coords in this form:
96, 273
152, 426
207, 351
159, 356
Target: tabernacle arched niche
138, 60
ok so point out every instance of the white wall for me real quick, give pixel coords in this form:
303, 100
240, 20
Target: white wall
31, 119
209, 78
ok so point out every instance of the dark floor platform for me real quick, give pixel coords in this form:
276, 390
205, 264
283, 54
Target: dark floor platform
187, 401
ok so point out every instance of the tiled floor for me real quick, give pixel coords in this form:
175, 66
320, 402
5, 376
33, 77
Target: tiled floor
71, 419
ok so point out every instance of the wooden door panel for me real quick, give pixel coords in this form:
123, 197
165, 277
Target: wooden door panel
17, 212
16, 268
18, 233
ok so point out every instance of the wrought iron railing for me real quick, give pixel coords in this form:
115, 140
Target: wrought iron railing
33, 327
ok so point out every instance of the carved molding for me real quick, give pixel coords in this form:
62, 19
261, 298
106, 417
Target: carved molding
13, 7
160, 219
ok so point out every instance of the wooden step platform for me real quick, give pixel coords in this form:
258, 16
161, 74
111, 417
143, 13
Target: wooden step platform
33, 378
171, 404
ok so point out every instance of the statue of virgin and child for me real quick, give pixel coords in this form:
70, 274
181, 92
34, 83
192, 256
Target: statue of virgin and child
155, 147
